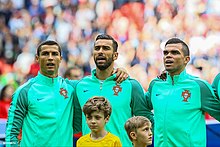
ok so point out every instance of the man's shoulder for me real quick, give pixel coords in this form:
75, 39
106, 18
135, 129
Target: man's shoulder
86, 79
132, 81
157, 80
218, 76
71, 82
198, 82
196, 79
25, 87
216, 79
134, 84
27, 84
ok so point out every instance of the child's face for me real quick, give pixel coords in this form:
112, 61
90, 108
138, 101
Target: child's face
96, 121
144, 134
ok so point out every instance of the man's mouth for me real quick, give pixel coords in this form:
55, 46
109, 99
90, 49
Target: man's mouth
50, 64
168, 62
100, 59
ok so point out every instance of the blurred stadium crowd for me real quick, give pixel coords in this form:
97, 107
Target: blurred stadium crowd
140, 27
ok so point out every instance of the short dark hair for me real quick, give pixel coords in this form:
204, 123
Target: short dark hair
47, 42
108, 37
97, 103
185, 47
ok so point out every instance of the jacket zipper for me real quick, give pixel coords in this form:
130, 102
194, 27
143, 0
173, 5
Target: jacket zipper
172, 81
165, 118
101, 84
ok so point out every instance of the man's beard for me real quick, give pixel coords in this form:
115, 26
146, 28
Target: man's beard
104, 66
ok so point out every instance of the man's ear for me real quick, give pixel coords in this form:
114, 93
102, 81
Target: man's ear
37, 58
187, 59
133, 135
115, 56
61, 58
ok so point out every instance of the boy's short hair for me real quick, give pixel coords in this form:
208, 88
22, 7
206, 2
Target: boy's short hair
135, 122
97, 103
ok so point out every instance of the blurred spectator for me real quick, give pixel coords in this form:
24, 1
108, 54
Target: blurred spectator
34, 68
74, 73
5, 100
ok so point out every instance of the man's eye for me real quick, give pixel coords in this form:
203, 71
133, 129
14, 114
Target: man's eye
165, 52
106, 48
175, 52
96, 48
55, 54
44, 53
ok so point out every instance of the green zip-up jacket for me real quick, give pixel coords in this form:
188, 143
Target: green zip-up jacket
43, 108
179, 107
127, 99
216, 85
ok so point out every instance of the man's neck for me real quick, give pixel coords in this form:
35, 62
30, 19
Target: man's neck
104, 74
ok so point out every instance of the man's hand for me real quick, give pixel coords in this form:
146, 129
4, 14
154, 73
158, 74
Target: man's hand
163, 75
121, 74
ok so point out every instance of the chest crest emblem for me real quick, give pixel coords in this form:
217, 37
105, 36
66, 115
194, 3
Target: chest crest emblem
117, 88
63, 92
186, 95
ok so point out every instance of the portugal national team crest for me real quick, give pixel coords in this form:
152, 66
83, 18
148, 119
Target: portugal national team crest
63, 92
117, 88
186, 94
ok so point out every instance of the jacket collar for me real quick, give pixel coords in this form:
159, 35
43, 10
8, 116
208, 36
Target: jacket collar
177, 78
111, 78
46, 80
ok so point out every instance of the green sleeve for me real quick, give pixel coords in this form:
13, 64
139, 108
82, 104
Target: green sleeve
138, 102
77, 115
17, 113
216, 85
209, 102
148, 96
148, 100
77, 111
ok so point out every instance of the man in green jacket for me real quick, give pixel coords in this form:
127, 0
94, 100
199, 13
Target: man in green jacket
180, 101
127, 98
43, 106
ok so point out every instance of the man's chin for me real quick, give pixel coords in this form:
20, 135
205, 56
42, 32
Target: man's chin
168, 69
51, 72
101, 67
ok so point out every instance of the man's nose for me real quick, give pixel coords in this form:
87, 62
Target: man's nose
168, 54
100, 50
50, 56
